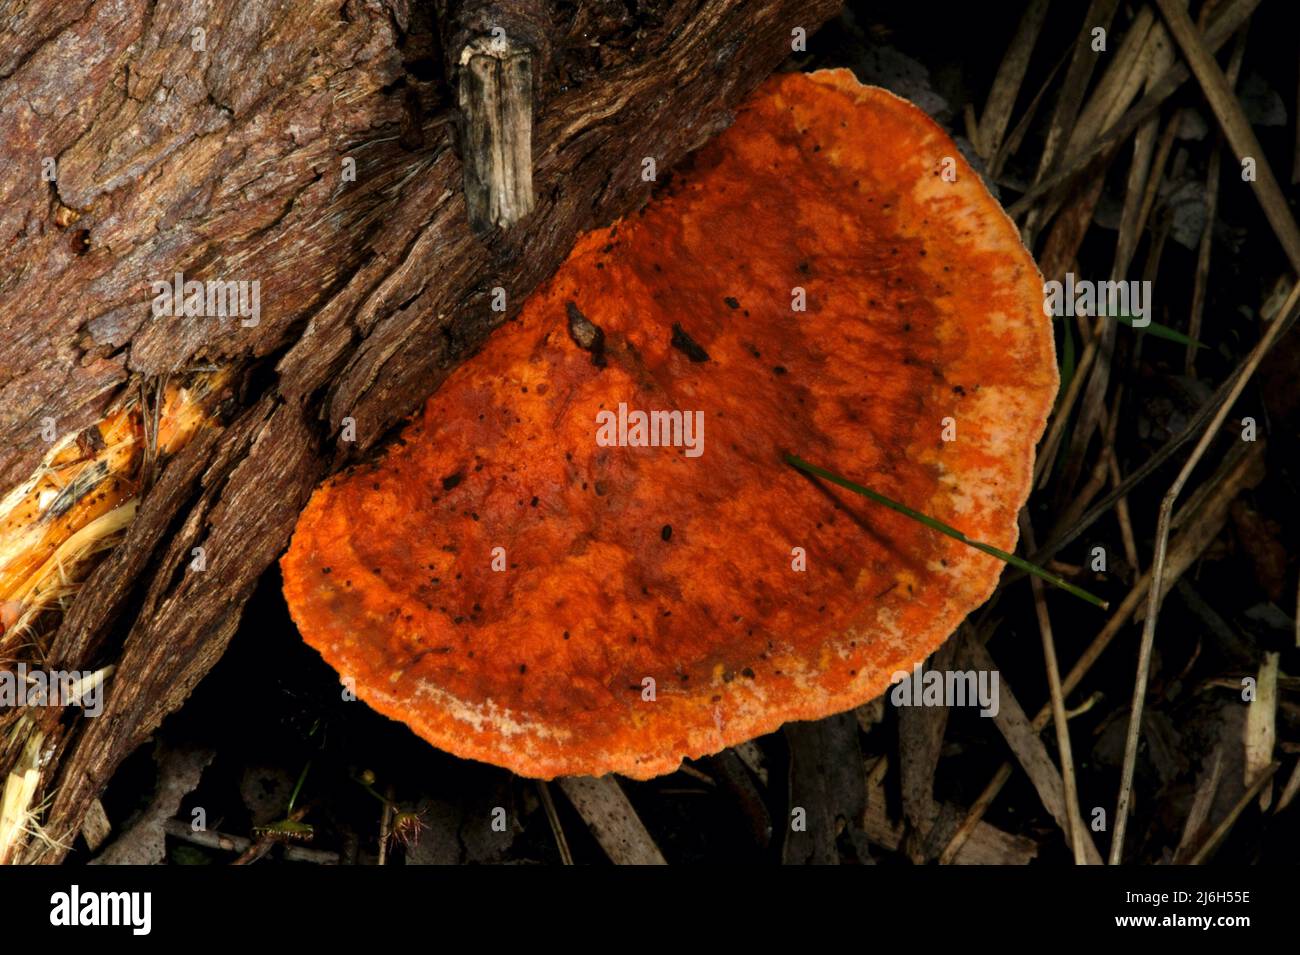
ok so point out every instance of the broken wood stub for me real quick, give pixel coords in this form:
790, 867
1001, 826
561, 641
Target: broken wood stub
496, 51
496, 129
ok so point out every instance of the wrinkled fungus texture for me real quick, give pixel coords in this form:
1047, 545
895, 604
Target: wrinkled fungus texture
628, 563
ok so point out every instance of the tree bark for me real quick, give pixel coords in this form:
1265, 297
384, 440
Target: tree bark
212, 139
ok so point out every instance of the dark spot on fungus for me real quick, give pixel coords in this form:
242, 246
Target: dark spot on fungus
687, 345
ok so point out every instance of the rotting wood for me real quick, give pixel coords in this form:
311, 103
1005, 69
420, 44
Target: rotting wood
304, 146
827, 789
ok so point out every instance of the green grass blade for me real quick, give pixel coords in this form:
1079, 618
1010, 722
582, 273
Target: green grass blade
943, 528
1161, 331
1156, 329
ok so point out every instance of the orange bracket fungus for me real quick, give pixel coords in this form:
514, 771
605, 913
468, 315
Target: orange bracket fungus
589, 555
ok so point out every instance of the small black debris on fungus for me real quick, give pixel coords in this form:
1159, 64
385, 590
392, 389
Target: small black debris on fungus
687, 345
586, 335
731, 302
452, 480
667, 532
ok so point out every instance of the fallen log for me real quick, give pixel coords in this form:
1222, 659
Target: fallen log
311, 148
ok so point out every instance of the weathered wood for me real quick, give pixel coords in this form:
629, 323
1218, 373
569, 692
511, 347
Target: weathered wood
494, 51
496, 105
217, 140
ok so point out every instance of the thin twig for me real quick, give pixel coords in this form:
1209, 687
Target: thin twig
561, 843
1071, 794
1156, 591
385, 827
1236, 127
1224, 25
1212, 177
1062, 539
1010, 76
1061, 416
1122, 516
182, 831
1221, 830
1206, 789
1191, 542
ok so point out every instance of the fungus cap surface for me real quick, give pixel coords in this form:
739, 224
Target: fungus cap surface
625, 563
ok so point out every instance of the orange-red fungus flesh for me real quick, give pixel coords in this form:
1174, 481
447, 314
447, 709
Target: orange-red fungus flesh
625, 565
